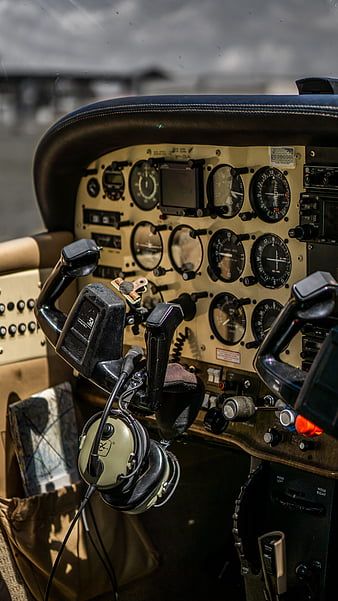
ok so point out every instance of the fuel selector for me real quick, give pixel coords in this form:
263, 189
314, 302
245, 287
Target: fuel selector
238, 408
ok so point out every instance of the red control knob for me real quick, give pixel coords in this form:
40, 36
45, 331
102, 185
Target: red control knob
306, 428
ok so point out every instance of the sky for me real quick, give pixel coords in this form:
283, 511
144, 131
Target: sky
237, 37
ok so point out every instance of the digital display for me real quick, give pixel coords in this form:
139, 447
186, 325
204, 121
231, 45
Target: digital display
330, 219
179, 186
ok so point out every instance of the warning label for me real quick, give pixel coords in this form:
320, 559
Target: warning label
282, 156
229, 356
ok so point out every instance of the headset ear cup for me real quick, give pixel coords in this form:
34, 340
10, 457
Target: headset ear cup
145, 491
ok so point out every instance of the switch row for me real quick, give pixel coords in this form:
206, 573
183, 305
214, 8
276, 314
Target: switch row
21, 329
20, 305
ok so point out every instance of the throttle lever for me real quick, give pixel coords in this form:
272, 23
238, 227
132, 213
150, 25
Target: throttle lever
312, 301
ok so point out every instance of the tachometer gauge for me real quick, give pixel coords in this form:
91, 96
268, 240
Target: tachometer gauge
146, 245
263, 316
226, 255
270, 194
185, 250
144, 185
225, 191
113, 182
227, 318
271, 261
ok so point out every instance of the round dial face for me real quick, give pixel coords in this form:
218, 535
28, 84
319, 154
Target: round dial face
270, 194
113, 182
146, 245
225, 191
144, 185
185, 249
263, 316
227, 318
226, 255
271, 261
93, 187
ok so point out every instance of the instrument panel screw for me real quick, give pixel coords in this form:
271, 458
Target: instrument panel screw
312, 153
1, 351
218, 152
203, 347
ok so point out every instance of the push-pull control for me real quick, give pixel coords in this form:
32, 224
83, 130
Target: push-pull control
238, 408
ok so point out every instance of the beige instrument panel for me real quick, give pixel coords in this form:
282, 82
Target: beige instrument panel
203, 345
20, 336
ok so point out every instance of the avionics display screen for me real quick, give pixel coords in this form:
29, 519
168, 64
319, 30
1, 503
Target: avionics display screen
330, 219
179, 186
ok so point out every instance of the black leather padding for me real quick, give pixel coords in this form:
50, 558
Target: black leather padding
93, 130
145, 485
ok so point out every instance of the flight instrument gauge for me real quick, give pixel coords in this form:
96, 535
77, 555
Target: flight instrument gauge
225, 191
263, 316
270, 194
226, 255
185, 250
144, 185
113, 182
146, 245
271, 261
227, 318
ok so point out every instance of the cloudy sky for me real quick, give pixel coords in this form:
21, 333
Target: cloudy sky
285, 37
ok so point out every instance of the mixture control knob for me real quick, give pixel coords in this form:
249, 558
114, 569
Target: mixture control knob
214, 421
238, 408
308, 231
272, 437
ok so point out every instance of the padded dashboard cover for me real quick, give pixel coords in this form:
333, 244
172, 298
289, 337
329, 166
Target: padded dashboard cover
93, 130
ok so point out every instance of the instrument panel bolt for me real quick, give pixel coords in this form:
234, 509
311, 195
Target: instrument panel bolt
203, 347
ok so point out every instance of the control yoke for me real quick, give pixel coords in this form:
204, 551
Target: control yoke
312, 302
90, 337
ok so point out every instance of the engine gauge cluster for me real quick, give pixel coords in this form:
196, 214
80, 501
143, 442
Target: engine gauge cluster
209, 221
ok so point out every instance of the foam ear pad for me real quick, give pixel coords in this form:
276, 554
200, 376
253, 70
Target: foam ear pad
147, 484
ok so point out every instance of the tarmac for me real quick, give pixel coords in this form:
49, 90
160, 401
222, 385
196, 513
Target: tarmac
19, 210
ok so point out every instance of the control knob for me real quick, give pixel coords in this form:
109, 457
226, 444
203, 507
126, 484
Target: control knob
238, 408
214, 421
307, 231
272, 437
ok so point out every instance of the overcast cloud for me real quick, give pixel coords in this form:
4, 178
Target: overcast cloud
289, 37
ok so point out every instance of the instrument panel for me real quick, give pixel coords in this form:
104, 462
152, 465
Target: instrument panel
214, 222
206, 220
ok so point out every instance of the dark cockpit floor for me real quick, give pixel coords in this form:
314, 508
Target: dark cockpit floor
193, 531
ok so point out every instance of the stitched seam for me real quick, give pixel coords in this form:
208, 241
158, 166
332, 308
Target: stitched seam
263, 109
